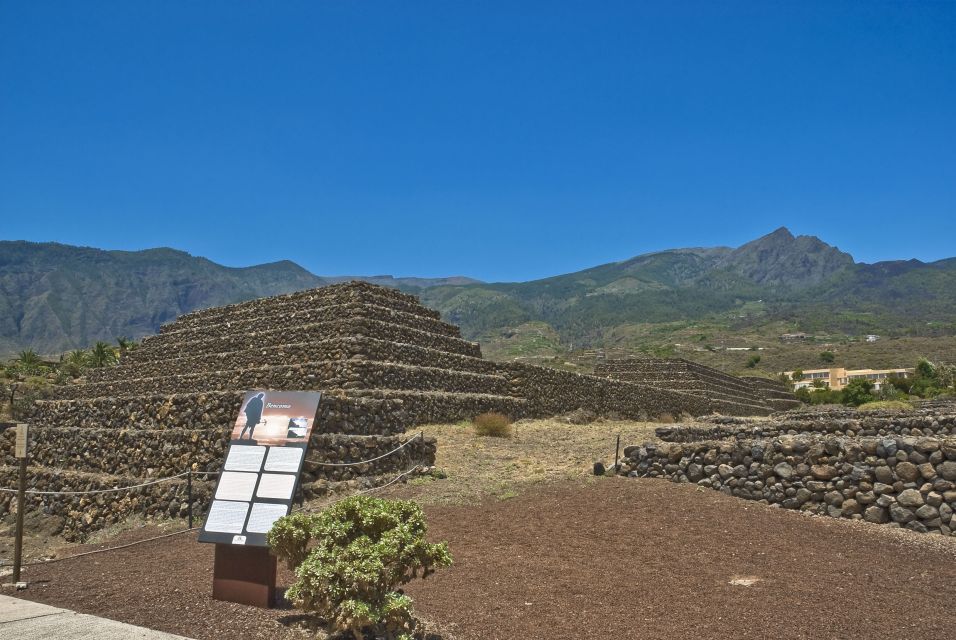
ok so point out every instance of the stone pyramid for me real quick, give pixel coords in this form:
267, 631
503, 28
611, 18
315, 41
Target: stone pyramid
385, 364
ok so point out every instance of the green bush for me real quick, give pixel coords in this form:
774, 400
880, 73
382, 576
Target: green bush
858, 392
350, 559
492, 424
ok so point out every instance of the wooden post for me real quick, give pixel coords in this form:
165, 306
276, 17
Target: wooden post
617, 449
21, 454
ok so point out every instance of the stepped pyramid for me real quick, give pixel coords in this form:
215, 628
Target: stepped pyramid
384, 363
728, 394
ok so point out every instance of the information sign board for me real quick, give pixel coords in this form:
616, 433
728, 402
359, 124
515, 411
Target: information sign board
23, 439
261, 471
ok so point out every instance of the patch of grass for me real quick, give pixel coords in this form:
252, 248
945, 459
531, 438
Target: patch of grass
886, 405
492, 424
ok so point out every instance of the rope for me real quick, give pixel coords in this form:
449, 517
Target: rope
89, 553
353, 464
135, 486
83, 493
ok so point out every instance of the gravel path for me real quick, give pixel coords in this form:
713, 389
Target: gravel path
607, 558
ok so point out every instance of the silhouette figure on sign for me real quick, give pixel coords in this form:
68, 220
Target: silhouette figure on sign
253, 413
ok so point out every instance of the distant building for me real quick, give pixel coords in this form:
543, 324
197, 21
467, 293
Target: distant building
838, 377
872, 338
794, 336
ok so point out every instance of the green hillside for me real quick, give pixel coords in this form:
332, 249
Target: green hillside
55, 297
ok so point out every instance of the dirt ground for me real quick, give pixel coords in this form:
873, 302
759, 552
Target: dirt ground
544, 550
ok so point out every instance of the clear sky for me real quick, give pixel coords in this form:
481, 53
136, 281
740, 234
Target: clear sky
500, 140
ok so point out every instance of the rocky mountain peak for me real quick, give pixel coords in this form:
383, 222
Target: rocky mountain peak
782, 259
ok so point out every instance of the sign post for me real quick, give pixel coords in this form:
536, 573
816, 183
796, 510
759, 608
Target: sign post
257, 486
21, 451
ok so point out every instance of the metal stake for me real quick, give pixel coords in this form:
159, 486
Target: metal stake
617, 449
189, 496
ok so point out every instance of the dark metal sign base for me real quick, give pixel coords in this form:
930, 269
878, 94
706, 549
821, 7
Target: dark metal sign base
246, 575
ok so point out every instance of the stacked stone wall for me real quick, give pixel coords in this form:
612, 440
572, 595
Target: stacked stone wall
172, 339
331, 374
907, 481
891, 468
350, 348
357, 291
310, 332
83, 514
552, 391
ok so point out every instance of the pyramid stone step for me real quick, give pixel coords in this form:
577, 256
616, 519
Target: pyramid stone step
172, 339
328, 374
385, 297
333, 349
310, 332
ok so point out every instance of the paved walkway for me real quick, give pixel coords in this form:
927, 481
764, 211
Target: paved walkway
26, 620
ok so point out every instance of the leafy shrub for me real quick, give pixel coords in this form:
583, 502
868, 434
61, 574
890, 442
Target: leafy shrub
752, 361
492, 424
350, 559
858, 392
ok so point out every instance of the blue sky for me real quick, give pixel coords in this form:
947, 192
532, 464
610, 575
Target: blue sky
500, 140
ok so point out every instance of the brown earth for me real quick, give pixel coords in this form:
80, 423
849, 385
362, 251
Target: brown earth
577, 558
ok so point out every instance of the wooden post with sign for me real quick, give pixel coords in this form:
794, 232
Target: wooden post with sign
21, 451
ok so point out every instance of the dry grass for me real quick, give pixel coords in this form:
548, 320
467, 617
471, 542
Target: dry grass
495, 425
539, 451
886, 405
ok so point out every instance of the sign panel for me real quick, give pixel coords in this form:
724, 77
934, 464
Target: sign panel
261, 471
23, 439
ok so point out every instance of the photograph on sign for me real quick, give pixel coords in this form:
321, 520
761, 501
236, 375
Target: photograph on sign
275, 418
247, 458
235, 485
278, 486
284, 459
263, 515
226, 517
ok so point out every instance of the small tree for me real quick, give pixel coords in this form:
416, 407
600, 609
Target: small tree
859, 391
828, 357
350, 559
752, 361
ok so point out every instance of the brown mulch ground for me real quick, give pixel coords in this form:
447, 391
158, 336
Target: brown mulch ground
611, 558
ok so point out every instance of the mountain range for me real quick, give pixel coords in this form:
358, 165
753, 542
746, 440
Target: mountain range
56, 297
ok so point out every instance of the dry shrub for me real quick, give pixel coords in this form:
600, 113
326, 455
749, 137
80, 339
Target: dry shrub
665, 418
492, 424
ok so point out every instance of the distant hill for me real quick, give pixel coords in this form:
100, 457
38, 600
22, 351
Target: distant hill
779, 277
56, 297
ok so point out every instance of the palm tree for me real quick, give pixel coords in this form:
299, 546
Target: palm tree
75, 362
125, 344
102, 355
29, 362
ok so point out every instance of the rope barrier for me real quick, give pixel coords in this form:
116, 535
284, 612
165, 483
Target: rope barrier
353, 464
93, 491
95, 551
176, 533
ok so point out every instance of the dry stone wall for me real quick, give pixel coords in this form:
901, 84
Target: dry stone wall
897, 470
272, 339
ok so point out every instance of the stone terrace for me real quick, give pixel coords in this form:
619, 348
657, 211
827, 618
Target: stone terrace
385, 363
730, 394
